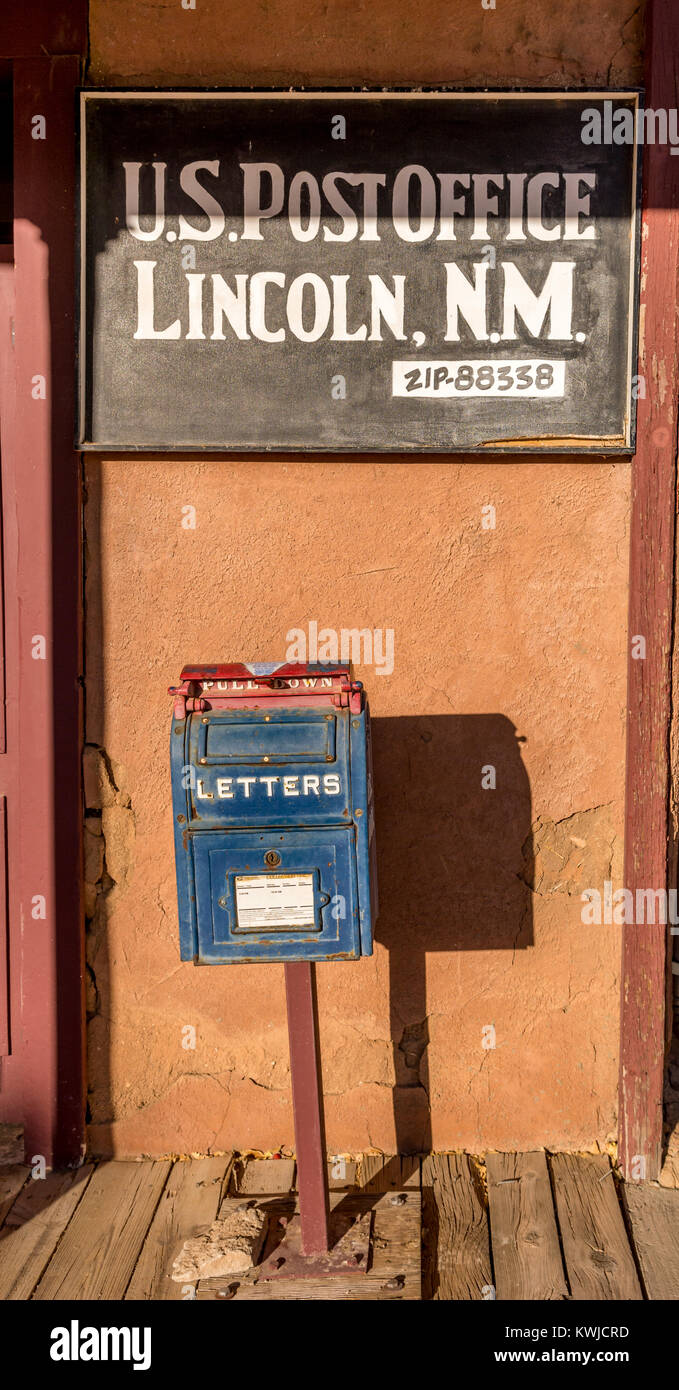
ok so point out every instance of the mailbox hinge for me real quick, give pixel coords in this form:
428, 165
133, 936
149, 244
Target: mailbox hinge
184, 702
350, 697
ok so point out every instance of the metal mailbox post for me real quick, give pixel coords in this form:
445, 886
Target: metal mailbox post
274, 841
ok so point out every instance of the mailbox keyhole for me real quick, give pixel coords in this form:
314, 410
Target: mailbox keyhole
272, 858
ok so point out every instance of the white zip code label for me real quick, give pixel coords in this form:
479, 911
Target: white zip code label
443, 379
271, 901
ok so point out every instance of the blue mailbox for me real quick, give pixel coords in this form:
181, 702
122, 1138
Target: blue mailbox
273, 813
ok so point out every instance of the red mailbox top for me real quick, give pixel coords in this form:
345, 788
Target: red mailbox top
229, 685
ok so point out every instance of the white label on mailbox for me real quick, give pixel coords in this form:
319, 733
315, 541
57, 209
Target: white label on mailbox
274, 900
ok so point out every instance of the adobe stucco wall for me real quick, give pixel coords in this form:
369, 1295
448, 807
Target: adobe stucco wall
510, 649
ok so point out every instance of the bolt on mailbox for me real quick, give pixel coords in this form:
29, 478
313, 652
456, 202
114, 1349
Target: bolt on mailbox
273, 813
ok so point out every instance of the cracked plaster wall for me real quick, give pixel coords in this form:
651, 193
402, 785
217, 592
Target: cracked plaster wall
517, 632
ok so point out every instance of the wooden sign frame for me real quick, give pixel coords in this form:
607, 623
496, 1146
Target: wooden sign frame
181, 387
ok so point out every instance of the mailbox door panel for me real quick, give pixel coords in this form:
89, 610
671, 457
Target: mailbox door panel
303, 908
247, 737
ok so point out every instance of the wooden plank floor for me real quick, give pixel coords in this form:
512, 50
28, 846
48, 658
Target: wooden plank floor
455, 1230
596, 1249
511, 1227
654, 1220
526, 1253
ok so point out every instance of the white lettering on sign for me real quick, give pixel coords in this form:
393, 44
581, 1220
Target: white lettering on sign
421, 206
307, 785
269, 306
329, 305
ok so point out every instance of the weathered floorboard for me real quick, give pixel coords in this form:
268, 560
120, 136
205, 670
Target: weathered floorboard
12, 1179
523, 1232
341, 1175
456, 1244
34, 1227
11, 1144
190, 1199
388, 1172
654, 1217
599, 1262
100, 1247
264, 1176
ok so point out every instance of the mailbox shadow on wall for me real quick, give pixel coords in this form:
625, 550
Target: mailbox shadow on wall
455, 873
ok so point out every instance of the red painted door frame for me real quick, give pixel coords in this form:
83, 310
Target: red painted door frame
8, 624
651, 589
42, 1081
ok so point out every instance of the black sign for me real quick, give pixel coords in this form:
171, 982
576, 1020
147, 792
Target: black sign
349, 271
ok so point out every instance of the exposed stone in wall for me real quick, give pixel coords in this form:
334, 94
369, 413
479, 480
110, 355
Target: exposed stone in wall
109, 825
98, 780
108, 846
93, 851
